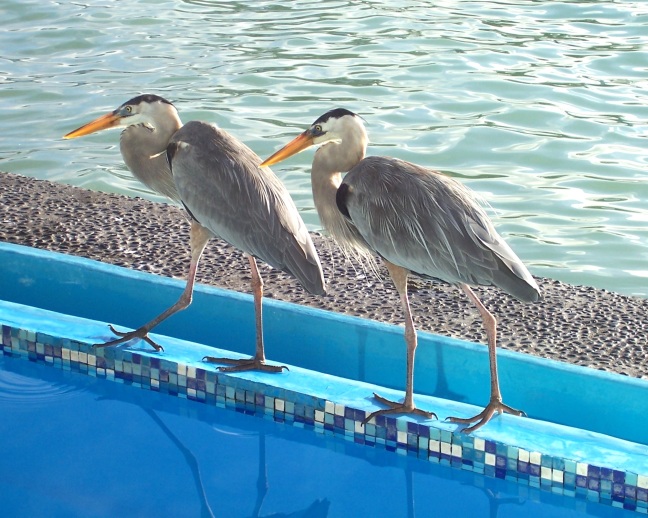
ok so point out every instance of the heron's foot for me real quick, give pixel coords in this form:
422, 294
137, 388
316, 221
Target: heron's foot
397, 408
251, 364
495, 406
140, 333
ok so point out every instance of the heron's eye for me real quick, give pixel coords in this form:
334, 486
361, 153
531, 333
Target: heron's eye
129, 109
317, 130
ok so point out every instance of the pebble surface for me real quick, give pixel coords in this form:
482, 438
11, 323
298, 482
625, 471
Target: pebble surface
575, 324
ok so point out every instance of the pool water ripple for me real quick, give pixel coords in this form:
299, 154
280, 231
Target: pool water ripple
25, 392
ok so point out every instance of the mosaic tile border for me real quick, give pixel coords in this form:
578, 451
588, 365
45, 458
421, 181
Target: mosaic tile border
589, 483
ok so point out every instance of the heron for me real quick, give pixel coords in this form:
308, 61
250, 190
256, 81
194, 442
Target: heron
226, 193
419, 222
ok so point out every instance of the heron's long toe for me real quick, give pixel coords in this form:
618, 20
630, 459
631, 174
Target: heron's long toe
140, 333
251, 364
495, 406
397, 408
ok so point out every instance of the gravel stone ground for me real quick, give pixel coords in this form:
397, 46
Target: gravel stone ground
576, 324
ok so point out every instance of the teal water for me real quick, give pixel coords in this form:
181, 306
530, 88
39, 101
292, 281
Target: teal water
540, 106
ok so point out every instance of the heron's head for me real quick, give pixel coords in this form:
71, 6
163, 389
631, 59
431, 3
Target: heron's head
334, 126
144, 109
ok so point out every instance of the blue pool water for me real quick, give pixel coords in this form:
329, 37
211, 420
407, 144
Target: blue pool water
75, 445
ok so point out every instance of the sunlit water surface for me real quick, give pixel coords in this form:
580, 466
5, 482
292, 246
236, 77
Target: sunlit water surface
74, 445
540, 106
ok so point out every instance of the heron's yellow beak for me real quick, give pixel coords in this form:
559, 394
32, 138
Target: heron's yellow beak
109, 120
303, 141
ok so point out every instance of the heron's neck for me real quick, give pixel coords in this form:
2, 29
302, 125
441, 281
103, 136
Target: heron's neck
152, 138
340, 157
143, 149
326, 176
325, 185
330, 161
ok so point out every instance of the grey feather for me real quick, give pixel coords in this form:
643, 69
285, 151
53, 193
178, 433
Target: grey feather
432, 225
220, 182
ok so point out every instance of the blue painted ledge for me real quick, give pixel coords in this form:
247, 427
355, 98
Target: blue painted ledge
585, 435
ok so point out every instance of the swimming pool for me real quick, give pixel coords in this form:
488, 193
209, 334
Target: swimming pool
76, 445
336, 362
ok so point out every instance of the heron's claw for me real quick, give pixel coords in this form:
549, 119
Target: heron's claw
125, 337
251, 364
397, 408
495, 406
152, 343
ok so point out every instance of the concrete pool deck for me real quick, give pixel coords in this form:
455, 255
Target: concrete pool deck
575, 324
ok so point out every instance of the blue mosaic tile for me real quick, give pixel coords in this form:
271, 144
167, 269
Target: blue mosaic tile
593, 472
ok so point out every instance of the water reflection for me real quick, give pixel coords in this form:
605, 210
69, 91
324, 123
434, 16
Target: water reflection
153, 453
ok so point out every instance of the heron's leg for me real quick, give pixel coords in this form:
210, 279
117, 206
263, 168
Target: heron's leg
258, 362
199, 237
257, 290
399, 276
495, 404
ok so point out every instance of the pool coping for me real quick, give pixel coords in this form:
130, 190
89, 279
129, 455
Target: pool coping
556, 458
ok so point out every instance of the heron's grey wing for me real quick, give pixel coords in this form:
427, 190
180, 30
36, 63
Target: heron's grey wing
430, 224
221, 184
279, 235
511, 270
